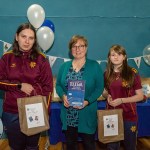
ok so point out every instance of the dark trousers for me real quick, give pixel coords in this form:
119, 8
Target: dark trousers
17, 140
130, 137
72, 139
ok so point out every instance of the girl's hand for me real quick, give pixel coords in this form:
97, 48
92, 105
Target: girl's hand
26, 88
109, 99
116, 102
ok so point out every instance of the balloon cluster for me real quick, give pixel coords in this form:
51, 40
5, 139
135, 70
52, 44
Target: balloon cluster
146, 54
45, 28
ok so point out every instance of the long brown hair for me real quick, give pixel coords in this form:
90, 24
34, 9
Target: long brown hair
125, 70
35, 50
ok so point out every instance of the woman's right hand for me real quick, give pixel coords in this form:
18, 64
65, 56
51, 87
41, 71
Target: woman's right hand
26, 88
65, 100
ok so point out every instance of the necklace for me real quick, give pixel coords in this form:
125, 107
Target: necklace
77, 65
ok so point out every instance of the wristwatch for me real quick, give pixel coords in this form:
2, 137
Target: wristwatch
19, 86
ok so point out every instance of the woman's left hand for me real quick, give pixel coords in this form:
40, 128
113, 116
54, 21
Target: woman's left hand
85, 103
115, 102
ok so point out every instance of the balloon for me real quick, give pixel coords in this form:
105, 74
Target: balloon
36, 15
45, 37
146, 54
49, 24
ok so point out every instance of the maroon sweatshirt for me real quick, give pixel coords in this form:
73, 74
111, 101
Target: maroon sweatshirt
21, 69
117, 90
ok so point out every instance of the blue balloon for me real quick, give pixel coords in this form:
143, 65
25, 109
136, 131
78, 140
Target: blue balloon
49, 24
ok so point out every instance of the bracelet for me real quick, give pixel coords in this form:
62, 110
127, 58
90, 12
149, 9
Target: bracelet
121, 100
19, 86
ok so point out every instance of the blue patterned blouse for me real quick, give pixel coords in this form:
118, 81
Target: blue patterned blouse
72, 113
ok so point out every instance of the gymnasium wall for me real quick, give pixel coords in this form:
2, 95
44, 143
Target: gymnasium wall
103, 23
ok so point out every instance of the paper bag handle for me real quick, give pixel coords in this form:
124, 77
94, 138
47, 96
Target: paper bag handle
49, 96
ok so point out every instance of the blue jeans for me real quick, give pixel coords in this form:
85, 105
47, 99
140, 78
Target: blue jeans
130, 137
17, 140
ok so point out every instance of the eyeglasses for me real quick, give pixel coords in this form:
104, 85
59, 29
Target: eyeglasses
80, 47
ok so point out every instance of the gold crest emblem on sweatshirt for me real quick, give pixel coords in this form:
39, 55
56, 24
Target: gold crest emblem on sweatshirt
13, 65
32, 64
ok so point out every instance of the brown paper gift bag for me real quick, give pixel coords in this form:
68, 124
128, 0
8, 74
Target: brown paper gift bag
110, 125
33, 114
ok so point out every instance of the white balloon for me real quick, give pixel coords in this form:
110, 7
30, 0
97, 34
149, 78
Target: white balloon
36, 15
45, 37
146, 54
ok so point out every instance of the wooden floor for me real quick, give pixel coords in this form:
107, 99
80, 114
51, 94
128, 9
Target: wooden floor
142, 144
